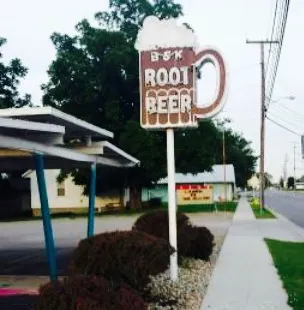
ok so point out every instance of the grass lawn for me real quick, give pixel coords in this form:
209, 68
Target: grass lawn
223, 206
265, 214
288, 259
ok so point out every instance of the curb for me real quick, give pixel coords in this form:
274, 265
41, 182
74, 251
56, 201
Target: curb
4, 292
297, 229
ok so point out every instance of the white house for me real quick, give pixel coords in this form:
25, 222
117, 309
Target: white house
254, 182
201, 188
67, 196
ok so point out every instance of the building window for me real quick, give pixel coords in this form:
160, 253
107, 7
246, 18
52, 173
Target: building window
61, 188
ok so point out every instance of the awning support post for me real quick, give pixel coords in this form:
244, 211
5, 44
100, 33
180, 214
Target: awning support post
91, 214
46, 217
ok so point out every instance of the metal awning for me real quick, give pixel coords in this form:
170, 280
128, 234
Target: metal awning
74, 127
33, 131
105, 149
31, 142
16, 154
19, 139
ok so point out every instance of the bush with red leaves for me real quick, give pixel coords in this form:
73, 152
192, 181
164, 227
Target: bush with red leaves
201, 242
157, 224
122, 256
88, 293
192, 241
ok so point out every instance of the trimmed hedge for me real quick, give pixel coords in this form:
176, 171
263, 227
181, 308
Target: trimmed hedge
201, 244
192, 241
157, 223
122, 256
88, 293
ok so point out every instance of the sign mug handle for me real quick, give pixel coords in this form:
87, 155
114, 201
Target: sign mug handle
210, 55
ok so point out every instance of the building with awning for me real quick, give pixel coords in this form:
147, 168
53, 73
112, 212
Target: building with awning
201, 188
45, 138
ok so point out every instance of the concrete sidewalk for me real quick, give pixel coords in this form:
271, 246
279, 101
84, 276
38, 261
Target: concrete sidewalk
244, 277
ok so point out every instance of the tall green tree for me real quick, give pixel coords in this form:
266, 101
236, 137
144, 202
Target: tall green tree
10, 76
291, 183
11, 73
239, 153
95, 77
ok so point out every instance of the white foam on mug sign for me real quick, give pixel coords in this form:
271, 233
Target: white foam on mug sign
164, 33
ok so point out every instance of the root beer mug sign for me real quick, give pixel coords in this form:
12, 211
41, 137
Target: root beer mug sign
168, 78
169, 65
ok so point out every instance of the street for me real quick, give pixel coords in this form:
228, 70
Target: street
289, 204
22, 244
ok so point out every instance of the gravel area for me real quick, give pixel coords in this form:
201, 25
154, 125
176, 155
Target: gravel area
189, 291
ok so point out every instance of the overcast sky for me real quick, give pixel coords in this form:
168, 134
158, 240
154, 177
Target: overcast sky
27, 25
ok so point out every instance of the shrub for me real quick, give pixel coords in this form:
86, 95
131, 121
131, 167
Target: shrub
122, 256
88, 293
201, 244
157, 224
155, 202
192, 241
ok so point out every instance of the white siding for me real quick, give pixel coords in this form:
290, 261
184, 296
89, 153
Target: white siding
73, 194
73, 197
218, 191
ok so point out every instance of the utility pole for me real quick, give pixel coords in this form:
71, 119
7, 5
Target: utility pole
285, 170
224, 165
294, 166
224, 159
263, 116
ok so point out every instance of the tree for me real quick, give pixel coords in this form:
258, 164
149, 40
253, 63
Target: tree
239, 153
268, 179
290, 182
95, 77
10, 76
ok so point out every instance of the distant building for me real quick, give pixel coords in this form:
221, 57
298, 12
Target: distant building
67, 196
254, 182
299, 185
201, 188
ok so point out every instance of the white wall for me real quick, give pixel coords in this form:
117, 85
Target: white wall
218, 190
299, 186
73, 193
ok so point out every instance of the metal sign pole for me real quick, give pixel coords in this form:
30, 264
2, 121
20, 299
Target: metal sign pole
172, 203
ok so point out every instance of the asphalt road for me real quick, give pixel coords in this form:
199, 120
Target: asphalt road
22, 245
289, 204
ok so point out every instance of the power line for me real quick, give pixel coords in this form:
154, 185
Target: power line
282, 126
277, 33
272, 31
280, 105
285, 121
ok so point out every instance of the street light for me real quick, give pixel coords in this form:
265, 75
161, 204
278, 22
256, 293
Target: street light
291, 98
